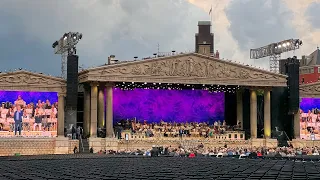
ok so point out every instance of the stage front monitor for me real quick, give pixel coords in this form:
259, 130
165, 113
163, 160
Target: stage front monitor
178, 106
310, 118
37, 116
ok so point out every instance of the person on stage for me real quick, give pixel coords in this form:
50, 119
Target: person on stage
18, 120
20, 102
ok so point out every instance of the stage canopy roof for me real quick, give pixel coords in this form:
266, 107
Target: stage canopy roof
28, 81
310, 90
190, 68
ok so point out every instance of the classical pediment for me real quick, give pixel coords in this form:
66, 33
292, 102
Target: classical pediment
187, 68
310, 90
28, 81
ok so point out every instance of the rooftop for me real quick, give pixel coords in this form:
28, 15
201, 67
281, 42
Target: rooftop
206, 23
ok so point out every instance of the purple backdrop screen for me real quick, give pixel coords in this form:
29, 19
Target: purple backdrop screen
307, 104
168, 105
28, 96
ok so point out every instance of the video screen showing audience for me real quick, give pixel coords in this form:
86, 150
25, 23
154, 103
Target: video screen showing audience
28, 113
310, 118
176, 106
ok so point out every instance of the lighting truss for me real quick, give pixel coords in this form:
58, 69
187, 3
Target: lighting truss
170, 86
274, 51
66, 46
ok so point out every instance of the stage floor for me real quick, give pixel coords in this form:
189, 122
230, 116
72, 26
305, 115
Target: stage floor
29, 134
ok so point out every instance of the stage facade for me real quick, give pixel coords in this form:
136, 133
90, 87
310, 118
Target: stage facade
190, 69
309, 122
34, 138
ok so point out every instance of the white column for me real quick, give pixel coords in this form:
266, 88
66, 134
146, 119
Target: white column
239, 109
109, 120
267, 114
86, 110
61, 115
101, 106
253, 114
93, 110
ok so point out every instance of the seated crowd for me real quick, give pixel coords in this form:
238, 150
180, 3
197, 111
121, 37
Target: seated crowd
40, 116
166, 129
223, 151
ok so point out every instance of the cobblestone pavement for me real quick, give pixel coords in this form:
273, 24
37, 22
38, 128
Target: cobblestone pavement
119, 167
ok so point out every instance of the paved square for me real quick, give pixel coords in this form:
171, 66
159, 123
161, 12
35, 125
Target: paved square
93, 166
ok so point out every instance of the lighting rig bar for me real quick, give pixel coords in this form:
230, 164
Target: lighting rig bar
275, 48
169, 86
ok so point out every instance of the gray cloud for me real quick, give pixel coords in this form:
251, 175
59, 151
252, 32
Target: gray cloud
125, 28
256, 23
313, 14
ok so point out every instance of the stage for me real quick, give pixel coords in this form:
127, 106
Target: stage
44, 134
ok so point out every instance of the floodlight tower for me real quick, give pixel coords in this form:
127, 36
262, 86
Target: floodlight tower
66, 46
274, 51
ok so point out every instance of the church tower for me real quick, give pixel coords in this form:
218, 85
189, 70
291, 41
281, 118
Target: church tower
204, 39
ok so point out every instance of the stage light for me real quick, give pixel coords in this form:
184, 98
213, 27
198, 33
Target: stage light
55, 44
274, 51
66, 46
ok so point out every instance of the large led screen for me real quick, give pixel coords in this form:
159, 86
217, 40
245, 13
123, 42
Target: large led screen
310, 118
34, 113
168, 105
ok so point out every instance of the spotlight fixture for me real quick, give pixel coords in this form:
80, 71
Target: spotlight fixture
274, 51
55, 44
65, 46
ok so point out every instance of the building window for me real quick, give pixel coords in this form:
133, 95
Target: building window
302, 80
318, 69
311, 70
204, 51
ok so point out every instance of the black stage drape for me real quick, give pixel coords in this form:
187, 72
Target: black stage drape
230, 108
279, 111
246, 112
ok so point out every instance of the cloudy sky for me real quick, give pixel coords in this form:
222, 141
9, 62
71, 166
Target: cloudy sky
128, 28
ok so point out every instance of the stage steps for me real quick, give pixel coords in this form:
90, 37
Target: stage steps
84, 147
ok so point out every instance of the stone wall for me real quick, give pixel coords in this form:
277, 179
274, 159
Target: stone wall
72, 144
26, 146
34, 146
173, 142
301, 143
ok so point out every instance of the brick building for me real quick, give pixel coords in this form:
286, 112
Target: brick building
310, 68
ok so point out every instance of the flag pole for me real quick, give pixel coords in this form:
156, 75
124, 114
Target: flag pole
210, 13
